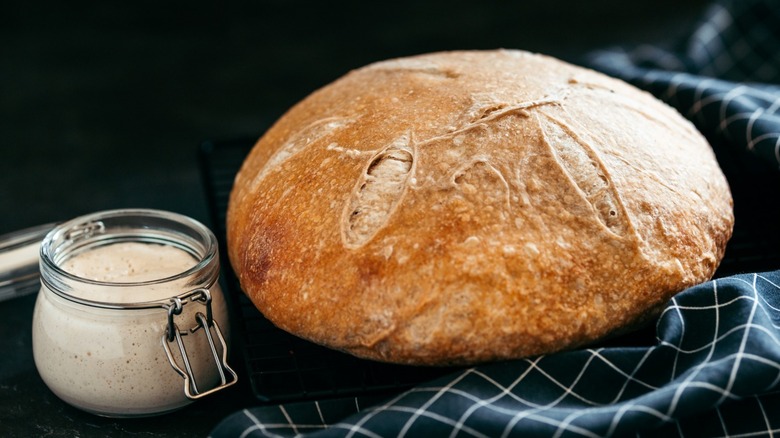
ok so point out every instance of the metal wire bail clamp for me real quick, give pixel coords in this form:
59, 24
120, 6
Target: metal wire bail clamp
207, 323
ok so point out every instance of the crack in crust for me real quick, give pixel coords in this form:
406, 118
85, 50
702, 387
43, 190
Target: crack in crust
479, 117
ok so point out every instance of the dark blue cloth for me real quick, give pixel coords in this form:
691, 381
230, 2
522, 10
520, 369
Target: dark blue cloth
713, 368
715, 364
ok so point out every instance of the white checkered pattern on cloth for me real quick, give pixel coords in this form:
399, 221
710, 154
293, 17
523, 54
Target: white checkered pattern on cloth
714, 369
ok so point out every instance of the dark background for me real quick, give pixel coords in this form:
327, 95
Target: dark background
104, 104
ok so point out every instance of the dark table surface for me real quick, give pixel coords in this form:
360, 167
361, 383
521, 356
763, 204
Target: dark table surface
104, 106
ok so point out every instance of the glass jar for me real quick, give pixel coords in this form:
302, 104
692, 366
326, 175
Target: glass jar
125, 348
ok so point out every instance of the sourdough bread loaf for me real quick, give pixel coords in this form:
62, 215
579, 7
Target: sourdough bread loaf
464, 207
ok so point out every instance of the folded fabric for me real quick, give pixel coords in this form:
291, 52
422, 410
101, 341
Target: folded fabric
715, 365
713, 368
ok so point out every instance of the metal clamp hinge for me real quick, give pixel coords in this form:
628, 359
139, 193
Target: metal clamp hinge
227, 376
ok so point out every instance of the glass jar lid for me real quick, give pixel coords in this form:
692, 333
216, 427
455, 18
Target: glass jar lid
19, 253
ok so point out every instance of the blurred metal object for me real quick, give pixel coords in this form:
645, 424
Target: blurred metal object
19, 250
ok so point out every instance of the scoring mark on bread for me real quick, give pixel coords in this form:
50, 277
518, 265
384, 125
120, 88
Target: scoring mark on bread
484, 112
378, 192
588, 173
486, 108
479, 178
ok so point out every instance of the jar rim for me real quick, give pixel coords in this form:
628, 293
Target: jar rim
77, 226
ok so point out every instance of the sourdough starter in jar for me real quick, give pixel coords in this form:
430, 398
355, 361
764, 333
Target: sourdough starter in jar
129, 262
110, 359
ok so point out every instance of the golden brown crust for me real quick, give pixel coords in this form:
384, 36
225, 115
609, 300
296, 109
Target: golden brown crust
464, 207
